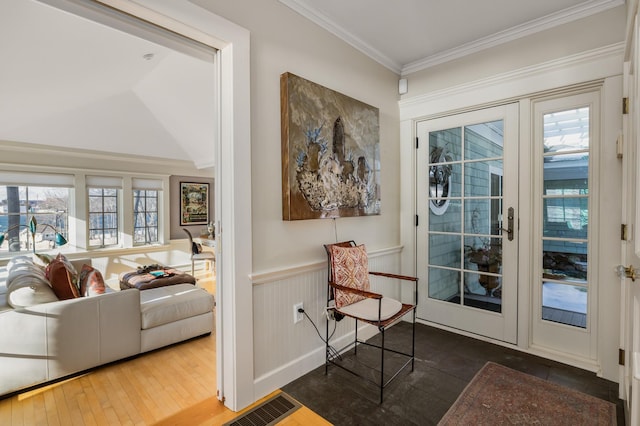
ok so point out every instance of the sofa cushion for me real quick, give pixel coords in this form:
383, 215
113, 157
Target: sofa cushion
163, 305
91, 281
61, 277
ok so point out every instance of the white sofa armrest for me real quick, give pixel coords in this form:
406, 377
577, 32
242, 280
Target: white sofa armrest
23, 350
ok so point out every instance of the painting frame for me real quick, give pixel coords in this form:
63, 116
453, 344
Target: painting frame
330, 152
194, 203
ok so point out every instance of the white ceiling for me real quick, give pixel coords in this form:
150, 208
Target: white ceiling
70, 82
410, 35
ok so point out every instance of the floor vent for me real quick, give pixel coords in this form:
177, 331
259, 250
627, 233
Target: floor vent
268, 413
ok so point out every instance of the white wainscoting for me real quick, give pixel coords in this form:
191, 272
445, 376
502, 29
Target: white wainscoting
284, 351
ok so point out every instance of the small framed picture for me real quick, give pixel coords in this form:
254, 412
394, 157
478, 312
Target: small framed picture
194, 203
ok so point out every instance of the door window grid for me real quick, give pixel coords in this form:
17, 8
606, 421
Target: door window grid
466, 253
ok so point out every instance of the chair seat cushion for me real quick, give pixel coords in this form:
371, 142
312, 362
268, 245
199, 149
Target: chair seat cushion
367, 309
205, 255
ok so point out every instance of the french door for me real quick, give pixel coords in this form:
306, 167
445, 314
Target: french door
467, 172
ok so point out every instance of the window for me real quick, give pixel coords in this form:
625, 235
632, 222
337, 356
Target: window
92, 218
145, 216
103, 217
19, 203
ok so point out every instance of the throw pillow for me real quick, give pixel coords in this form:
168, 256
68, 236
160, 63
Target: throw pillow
350, 267
91, 281
61, 258
62, 279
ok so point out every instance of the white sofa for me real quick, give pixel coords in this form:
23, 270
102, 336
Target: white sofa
48, 341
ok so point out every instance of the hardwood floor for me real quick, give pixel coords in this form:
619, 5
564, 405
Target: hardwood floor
175, 385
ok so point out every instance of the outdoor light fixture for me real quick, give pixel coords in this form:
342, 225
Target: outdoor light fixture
59, 239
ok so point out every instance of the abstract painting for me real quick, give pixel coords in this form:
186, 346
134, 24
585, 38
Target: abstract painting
330, 152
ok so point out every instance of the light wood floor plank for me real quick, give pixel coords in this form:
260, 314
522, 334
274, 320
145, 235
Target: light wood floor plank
5, 413
50, 406
40, 410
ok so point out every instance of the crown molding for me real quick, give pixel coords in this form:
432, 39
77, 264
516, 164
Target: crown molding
607, 58
25, 155
537, 25
325, 22
546, 22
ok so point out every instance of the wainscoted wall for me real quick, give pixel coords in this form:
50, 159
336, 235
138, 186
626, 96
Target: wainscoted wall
284, 351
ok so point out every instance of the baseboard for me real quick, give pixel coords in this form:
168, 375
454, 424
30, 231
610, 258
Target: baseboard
289, 372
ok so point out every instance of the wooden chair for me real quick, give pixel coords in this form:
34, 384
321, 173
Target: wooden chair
197, 253
349, 295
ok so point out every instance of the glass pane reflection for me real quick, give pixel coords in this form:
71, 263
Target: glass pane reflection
445, 145
563, 260
449, 221
484, 140
444, 250
444, 284
566, 130
483, 178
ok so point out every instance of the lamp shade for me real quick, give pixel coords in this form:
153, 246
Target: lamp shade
60, 239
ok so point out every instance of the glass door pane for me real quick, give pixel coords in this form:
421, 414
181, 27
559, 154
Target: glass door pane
465, 202
565, 216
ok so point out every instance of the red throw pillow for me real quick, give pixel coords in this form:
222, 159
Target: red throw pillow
62, 280
350, 267
91, 281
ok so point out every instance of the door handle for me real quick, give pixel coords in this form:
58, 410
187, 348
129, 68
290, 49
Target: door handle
627, 272
509, 228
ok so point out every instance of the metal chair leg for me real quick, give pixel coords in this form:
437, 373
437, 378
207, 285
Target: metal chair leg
382, 366
326, 348
355, 343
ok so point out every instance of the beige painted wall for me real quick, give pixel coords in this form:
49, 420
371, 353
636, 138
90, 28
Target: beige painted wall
283, 41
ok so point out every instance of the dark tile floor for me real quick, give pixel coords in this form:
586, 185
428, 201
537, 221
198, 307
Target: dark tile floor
445, 363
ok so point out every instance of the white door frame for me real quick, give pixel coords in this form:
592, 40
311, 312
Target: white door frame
604, 64
234, 319
629, 384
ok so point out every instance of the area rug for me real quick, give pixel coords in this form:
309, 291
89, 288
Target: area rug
498, 395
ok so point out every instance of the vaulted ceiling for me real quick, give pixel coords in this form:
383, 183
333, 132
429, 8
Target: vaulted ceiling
70, 82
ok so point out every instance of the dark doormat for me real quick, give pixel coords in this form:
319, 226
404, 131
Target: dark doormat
268, 413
